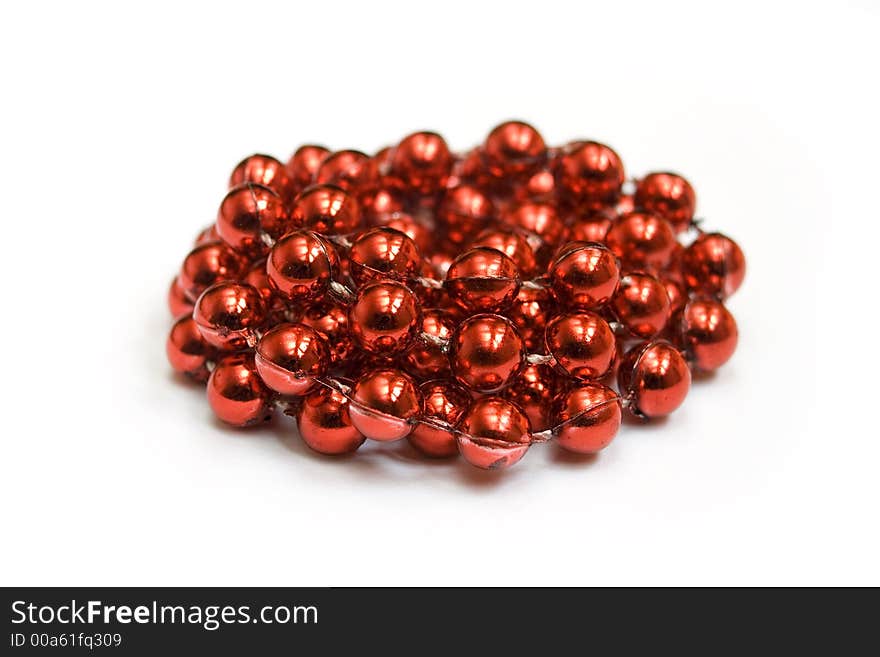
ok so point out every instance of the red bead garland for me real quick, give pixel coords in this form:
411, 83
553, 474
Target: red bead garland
473, 303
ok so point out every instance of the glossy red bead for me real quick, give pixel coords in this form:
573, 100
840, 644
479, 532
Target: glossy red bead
589, 172
228, 315
187, 351
301, 266
290, 356
386, 404
482, 280
384, 318
324, 421
236, 393
667, 195
486, 352
445, 402
584, 276
713, 265
326, 209
642, 305
494, 433
642, 240
709, 333
248, 215
582, 344
384, 253
654, 379
589, 416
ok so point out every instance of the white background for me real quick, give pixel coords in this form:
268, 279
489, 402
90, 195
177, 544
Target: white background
119, 128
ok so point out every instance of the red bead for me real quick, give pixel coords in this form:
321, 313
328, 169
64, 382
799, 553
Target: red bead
495, 433
642, 305
486, 352
237, 394
178, 304
326, 209
229, 314
592, 227
386, 405
530, 312
582, 344
247, 214
422, 161
642, 240
445, 402
713, 265
263, 170
654, 379
208, 234
709, 333
425, 359
482, 280
534, 390
303, 165
464, 212
208, 264
514, 148
584, 275
667, 195
187, 350
589, 415
511, 243
540, 219
415, 230
384, 253
259, 278
675, 292
385, 317
377, 203
290, 356
349, 169
324, 422
330, 320
301, 266
589, 172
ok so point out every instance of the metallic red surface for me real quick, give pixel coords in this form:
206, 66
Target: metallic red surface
326, 209
236, 393
584, 276
486, 353
445, 402
290, 356
263, 170
534, 390
249, 211
514, 148
301, 266
654, 378
384, 253
582, 343
496, 432
642, 305
229, 314
464, 211
667, 195
425, 359
642, 240
187, 350
482, 280
709, 333
208, 264
324, 422
590, 415
303, 165
385, 405
422, 161
385, 317
713, 265
589, 172
178, 304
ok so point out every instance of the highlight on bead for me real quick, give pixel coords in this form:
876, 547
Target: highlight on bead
474, 303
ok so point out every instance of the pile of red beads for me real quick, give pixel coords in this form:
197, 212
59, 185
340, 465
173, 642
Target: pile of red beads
473, 303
